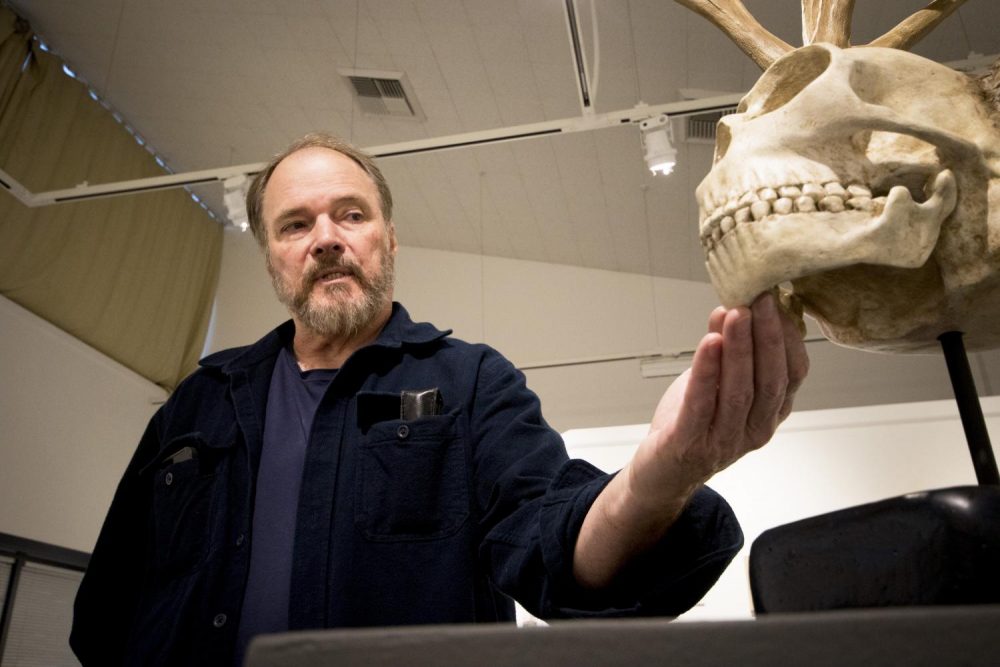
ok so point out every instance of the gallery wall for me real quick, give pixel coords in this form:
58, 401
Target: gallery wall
70, 418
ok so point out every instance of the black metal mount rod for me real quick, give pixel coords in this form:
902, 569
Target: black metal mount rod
969, 408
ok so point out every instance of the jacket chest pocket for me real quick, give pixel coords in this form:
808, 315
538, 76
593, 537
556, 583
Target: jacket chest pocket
184, 490
412, 480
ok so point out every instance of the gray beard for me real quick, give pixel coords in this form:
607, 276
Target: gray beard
343, 320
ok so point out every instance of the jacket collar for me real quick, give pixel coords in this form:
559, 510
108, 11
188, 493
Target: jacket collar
399, 331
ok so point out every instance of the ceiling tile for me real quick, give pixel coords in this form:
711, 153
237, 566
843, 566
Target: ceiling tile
544, 189
576, 159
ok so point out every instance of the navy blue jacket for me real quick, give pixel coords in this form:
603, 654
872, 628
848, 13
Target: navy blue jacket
442, 519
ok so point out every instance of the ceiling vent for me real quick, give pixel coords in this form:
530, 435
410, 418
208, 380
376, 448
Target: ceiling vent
700, 128
384, 94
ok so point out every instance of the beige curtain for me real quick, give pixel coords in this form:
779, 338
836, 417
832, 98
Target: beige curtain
132, 276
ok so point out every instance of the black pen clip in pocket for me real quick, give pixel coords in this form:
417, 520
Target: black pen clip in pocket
416, 403
173, 454
407, 405
180, 456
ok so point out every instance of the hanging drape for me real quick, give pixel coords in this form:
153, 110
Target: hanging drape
132, 276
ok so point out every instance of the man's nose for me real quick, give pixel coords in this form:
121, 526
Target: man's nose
327, 237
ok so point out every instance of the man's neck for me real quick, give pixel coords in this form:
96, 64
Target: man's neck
315, 350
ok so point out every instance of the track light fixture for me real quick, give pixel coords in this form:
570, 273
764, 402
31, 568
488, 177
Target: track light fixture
234, 196
657, 143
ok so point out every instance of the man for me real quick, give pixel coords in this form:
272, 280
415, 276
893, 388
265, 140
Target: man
354, 468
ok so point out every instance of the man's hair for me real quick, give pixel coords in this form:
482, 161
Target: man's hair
255, 194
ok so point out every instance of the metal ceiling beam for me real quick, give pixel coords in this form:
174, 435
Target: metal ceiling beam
586, 123
451, 142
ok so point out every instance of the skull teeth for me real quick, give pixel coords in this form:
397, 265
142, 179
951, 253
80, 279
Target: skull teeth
756, 205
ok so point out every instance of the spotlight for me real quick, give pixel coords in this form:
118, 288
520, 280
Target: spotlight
661, 156
234, 196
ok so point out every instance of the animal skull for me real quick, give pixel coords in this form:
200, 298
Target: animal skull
870, 179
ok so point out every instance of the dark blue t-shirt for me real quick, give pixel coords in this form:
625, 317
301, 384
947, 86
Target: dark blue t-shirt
291, 404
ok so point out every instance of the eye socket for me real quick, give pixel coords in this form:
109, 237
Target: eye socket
785, 79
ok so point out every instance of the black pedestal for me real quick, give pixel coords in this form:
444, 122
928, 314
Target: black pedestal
938, 547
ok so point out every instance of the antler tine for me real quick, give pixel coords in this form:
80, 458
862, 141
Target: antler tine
827, 21
732, 18
911, 30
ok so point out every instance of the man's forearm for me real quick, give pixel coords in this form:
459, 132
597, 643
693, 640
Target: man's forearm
620, 527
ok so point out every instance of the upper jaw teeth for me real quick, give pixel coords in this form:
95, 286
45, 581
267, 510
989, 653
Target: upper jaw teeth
757, 204
334, 273
903, 234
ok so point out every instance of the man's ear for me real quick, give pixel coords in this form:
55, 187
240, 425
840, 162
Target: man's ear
393, 245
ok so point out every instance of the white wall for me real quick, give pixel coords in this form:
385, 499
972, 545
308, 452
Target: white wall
819, 461
69, 421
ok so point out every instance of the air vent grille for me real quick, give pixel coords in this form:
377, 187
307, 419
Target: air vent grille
383, 94
700, 128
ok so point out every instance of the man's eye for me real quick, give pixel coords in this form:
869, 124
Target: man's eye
293, 226
355, 216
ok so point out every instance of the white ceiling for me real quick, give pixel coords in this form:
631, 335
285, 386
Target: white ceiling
211, 83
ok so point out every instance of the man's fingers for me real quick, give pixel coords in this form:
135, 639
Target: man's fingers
716, 319
770, 370
736, 384
700, 394
742, 380
797, 362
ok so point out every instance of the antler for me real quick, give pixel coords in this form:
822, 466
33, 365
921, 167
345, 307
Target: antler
911, 30
740, 26
827, 21
822, 21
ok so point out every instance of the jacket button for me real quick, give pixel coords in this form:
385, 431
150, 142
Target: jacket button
240, 539
403, 431
168, 479
219, 620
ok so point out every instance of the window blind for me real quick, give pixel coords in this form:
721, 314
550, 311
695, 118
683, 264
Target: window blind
41, 618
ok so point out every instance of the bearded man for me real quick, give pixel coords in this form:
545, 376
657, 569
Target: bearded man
355, 468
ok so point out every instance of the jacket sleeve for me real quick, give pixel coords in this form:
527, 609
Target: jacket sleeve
106, 601
535, 501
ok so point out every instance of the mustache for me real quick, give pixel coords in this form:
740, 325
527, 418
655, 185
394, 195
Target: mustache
341, 264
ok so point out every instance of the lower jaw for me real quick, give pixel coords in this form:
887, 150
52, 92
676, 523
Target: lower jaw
877, 308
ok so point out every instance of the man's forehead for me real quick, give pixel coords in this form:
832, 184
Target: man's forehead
315, 167
314, 162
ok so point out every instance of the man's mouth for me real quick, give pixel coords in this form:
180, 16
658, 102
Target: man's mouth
333, 275
328, 275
